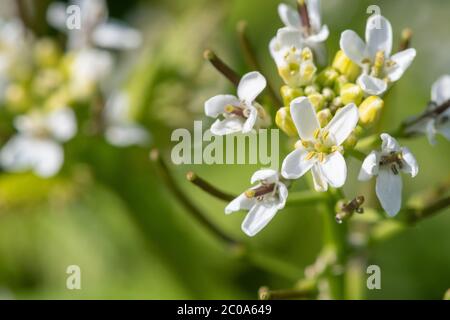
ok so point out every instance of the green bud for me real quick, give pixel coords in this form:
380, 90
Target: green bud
327, 77
311, 89
328, 94
339, 83
351, 93
284, 121
351, 141
317, 100
288, 94
370, 110
324, 116
346, 66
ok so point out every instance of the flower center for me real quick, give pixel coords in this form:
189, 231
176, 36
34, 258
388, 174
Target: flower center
393, 160
322, 145
239, 111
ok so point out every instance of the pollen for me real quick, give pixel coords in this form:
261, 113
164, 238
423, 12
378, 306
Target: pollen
310, 155
250, 193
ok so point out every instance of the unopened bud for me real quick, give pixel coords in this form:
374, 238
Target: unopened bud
370, 110
284, 121
351, 93
311, 89
327, 77
351, 141
339, 83
288, 94
324, 116
328, 94
346, 66
317, 100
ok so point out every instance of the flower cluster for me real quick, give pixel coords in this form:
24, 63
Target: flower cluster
328, 110
41, 84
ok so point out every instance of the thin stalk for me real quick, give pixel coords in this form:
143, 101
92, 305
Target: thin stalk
186, 202
222, 67
264, 293
405, 41
252, 60
208, 188
417, 215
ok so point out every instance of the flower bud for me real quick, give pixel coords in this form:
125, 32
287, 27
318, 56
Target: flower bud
46, 53
351, 93
324, 116
288, 94
328, 94
339, 83
370, 110
311, 89
317, 100
351, 141
284, 121
327, 77
346, 66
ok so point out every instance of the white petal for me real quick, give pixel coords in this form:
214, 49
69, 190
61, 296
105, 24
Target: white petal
320, 36
430, 130
334, 169
56, 15
250, 86
304, 117
257, 218
251, 120
227, 126
216, 105
402, 61
268, 175
62, 124
283, 194
353, 46
124, 135
242, 202
320, 182
275, 51
369, 167
21, 153
411, 166
295, 165
440, 92
289, 38
289, 16
314, 14
389, 191
378, 35
116, 35
371, 85
343, 123
389, 144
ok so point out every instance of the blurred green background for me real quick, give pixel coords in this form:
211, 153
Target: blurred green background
110, 213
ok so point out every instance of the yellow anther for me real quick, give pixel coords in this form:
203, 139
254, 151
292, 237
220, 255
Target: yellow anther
321, 156
378, 64
335, 148
250, 193
325, 135
229, 108
310, 155
316, 133
305, 144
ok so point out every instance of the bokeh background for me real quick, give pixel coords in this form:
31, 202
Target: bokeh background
109, 211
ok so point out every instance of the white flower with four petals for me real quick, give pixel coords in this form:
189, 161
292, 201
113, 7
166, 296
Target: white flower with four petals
374, 56
262, 201
241, 113
386, 165
319, 149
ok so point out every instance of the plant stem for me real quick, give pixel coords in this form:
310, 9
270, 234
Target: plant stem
223, 68
264, 293
208, 188
186, 202
416, 215
252, 60
356, 154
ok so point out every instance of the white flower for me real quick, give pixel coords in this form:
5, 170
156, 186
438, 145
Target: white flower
95, 29
241, 113
374, 56
295, 65
386, 165
36, 146
436, 122
89, 68
319, 149
121, 130
315, 36
262, 201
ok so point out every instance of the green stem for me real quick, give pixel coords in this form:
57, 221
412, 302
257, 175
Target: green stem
356, 154
264, 293
208, 188
222, 67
